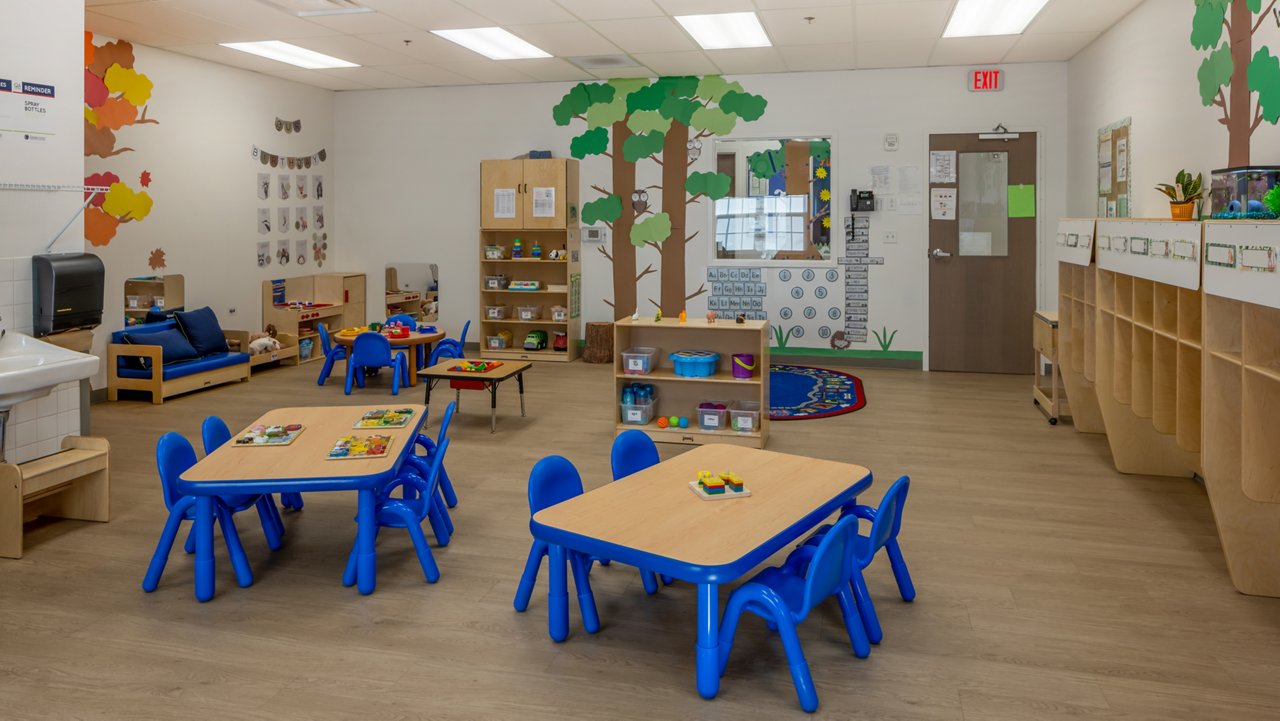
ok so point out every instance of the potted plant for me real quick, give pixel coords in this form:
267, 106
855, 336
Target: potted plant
1183, 194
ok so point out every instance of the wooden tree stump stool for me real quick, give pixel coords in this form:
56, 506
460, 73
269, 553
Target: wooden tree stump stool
599, 343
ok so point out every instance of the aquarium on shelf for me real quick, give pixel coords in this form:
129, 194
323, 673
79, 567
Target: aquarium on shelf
1246, 193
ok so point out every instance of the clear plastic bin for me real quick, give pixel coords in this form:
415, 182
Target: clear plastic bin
638, 414
495, 282
745, 417
495, 342
496, 312
639, 361
714, 419
529, 312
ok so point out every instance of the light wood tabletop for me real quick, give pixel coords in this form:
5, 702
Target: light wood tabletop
444, 369
655, 512
306, 457
414, 338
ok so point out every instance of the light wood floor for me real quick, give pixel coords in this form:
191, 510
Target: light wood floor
1050, 585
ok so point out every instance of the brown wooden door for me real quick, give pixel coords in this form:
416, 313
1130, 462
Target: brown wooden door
982, 263
500, 183
543, 192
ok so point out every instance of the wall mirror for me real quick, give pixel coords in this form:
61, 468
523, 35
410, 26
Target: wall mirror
779, 206
413, 288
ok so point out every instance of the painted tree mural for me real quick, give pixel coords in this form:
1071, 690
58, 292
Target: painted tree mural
805, 168
663, 121
1232, 72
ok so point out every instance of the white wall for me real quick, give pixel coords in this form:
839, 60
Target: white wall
203, 183
408, 166
1145, 67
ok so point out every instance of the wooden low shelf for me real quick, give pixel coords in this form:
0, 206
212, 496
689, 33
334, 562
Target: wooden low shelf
1046, 391
74, 483
1076, 343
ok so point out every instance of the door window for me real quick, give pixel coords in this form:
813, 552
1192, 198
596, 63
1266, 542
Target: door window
984, 204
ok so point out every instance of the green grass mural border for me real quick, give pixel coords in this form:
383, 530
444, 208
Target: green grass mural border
906, 355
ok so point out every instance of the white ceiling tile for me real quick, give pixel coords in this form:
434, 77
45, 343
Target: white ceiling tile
748, 60
424, 74
429, 14
133, 32
1072, 16
636, 72
693, 62
1049, 48
566, 39
889, 21
833, 24
265, 21
804, 58
373, 77
422, 46
166, 18
972, 51
785, 4
706, 7
519, 12
549, 69
484, 70
907, 53
610, 9
646, 35
362, 23
354, 50
319, 80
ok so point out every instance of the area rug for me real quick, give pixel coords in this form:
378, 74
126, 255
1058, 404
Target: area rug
801, 392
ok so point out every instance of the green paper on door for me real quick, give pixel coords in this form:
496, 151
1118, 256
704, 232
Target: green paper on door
1022, 201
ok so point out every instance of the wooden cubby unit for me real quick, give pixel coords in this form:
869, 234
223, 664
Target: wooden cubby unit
328, 293
1122, 361
1124, 295
1143, 306
1260, 465
680, 396
1076, 354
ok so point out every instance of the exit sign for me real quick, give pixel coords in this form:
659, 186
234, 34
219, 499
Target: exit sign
986, 81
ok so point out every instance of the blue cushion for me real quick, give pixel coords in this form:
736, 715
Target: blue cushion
189, 367
175, 345
202, 329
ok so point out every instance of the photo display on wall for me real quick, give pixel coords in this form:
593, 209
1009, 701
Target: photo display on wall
283, 191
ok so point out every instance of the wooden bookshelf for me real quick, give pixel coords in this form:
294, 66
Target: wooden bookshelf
170, 290
328, 293
1079, 297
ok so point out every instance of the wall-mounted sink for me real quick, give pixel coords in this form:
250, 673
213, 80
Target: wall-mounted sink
30, 368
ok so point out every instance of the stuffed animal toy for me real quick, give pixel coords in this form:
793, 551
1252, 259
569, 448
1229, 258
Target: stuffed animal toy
265, 344
269, 332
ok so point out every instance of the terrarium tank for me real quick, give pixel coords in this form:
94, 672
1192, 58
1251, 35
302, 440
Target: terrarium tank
1246, 193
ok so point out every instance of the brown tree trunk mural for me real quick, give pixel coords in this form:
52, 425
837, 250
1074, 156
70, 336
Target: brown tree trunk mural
624, 253
674, 203
1239, 120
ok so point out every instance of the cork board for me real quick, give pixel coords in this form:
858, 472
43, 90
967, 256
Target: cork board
1115, 170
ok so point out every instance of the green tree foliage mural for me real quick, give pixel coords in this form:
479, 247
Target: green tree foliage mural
804, 164
1232, 72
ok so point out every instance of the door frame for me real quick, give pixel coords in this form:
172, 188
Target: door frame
923, 259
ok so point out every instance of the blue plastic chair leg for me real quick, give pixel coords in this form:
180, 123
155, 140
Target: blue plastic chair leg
800, 675
326, 369
438, 525
351, 376
650, 581
428, 562
866, 608
291, 500
446, 489
729, 627
900, 572
530, 576
158, 559
853, 624
586, 600
667, 580
271, 524
239, 561
444, 513
397, 372
349, 573
205, 565
557, 594
190, 545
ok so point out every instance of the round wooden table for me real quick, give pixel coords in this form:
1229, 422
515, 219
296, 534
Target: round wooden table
419, 342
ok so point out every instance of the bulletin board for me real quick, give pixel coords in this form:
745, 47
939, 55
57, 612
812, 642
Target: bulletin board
1115, 170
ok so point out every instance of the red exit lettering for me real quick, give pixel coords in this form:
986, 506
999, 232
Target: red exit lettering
986, 80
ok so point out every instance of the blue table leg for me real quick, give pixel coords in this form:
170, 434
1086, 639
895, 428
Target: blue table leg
557, 595
708, 640
204, 548
366, 536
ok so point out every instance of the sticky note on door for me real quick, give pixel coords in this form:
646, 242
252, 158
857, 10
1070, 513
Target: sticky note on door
1022, 201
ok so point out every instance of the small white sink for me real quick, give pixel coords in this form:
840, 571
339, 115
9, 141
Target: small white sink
30, 368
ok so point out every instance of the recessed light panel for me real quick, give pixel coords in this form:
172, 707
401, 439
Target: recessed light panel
979, 18
291, 54
724, 31
493, 43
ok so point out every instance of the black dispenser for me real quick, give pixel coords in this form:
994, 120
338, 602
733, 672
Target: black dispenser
68, 290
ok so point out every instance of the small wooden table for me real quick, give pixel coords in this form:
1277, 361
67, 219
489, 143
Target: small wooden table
301, 466
1047, 391
652, 520
488, 380
420, 342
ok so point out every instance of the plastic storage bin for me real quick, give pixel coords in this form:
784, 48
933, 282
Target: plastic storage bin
304, 348
495, 282
695, 363
494, 252
495, 312
639, 361
498, 342
713, 415
529, 312
745, 417
638, 414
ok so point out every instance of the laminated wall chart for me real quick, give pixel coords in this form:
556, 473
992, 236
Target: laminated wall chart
737, 290
1166, 252
1241, 262
857, 285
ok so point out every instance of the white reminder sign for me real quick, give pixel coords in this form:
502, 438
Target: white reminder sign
1075, 240
1164, 251
1241, 262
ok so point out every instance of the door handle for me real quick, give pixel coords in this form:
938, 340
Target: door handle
939, 253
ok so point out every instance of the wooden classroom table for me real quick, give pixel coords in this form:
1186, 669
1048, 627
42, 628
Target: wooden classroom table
490, 380
301, 466
653, 520
420, 343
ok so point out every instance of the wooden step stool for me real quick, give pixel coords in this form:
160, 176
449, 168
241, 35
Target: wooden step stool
72, 484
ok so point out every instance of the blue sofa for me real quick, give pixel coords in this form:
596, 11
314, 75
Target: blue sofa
131, 365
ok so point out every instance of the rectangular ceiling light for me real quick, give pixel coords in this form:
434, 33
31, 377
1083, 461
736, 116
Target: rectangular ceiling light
723, 31
291, 54
978, 18
493, 43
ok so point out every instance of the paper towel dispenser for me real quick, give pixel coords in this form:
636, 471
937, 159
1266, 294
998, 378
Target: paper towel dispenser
68, 292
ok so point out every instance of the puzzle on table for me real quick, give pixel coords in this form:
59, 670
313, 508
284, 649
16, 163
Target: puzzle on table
385, 418
476, 366
711, 487
264, 435
360, 447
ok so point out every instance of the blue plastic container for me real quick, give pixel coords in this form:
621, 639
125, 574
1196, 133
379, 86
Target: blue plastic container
695, 363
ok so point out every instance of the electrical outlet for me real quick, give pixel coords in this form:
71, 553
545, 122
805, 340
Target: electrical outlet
890, 237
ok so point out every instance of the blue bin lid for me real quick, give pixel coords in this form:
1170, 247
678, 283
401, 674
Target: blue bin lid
694, 355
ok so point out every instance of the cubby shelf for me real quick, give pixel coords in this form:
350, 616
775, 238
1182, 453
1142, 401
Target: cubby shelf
1079, 294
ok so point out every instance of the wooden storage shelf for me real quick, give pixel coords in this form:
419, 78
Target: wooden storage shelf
1164, 303
1260, 439
525, 261
1075, 348
1122, 356
680, 396
1124, 295
1232, 357
1141, 380
1190, 315
1222, 327
1143, 301
546, 354
1106, 290
1222, 418
339, 299
171, 289
1164, 384
75, 483
1261, 336
1189, 402
512, 321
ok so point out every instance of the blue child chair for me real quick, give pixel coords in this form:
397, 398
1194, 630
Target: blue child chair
886, 523
214, 433
457, 344
785, 596
555, 480
373, 350
174, 455
632, 452
408, 321
429, 448
332, 353
419, 500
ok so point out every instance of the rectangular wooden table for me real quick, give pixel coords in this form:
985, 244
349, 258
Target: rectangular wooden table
301, 466
489, 380
653, 520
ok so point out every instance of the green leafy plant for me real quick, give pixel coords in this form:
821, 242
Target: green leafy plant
782, 336
1185, 188
884, 337
1272, 201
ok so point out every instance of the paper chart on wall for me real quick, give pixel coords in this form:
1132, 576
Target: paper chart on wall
1104, 152
942, 203
909, 179
1104, 179
942, 166
1122, 160
504, 202
880, 179
544, 202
